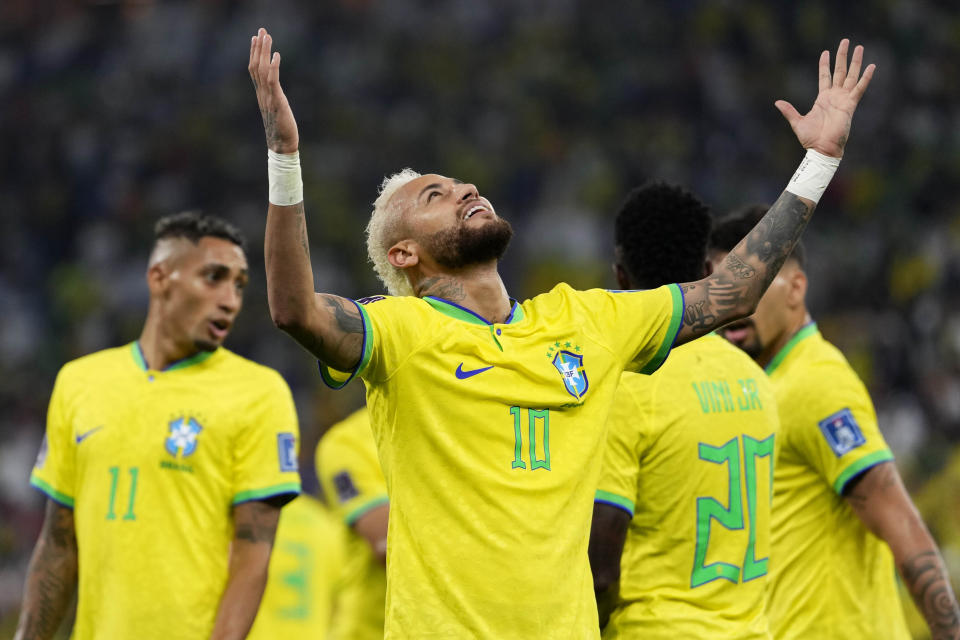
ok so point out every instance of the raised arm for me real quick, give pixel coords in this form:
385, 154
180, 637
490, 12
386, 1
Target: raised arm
326, 325
882, 503
736, 286
51, 577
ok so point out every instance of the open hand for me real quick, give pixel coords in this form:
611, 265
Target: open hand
827, 125
278, 121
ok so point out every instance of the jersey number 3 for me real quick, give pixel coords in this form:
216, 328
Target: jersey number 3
731, 516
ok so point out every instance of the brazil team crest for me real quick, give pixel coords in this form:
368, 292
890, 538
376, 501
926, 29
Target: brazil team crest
570, 366
182, 440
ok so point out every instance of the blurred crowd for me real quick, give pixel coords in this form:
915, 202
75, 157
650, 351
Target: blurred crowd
115, 113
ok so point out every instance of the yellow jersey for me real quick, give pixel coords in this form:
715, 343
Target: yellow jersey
830, 577
489, 437
353, 484
151, 463
690, 456
306, 568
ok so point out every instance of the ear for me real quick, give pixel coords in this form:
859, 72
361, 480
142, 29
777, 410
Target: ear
797, 295
623, 280
157, 278
404, 254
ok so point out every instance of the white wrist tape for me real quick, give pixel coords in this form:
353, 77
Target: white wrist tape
813, 175
286, 183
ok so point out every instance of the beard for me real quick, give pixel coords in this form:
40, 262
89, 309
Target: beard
464, 246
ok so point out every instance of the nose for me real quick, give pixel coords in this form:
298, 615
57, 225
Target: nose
231, 299
467, 192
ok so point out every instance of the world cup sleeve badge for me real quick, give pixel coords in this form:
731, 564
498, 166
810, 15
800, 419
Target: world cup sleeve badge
182, 440
568, 360
842, 432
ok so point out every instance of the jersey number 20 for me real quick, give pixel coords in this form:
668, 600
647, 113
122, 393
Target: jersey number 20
731, 516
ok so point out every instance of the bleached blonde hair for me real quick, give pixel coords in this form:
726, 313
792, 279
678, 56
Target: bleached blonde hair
381, 232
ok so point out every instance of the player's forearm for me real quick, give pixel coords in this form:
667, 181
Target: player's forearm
925, 575
289, 274
882, 503
240, 602
51, 578
734, 289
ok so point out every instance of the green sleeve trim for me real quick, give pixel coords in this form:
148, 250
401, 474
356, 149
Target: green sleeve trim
268, 492
367, 506
367, 351
797, 338
615, 500
859, 467
52, 493
675, 323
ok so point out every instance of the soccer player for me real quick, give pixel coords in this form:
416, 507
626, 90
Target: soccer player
307, 567
842, 518
680, 542
489, 414
349, 472
166, 462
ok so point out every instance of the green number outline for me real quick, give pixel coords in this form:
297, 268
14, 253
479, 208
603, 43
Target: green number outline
753, 449
114, 481
731, 517
532, 416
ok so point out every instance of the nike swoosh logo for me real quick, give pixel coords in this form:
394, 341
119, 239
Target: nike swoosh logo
83, 436
463, 375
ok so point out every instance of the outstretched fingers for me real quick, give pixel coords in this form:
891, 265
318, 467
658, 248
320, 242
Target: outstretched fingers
824, 73
864, 82
840, 64
854, 72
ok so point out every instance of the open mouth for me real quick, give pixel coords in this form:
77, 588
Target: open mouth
219, 328
474, 210
737, 332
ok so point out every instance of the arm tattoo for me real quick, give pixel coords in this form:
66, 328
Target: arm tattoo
442, 287
347, 318
302, 228
927, 580
52, 576
737, 285
255, 522
270, 126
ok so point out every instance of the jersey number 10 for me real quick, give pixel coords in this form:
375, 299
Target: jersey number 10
114, 480
731, 517
535, 418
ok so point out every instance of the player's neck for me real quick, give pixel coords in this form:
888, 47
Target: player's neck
793, 326
159, 349
478, 289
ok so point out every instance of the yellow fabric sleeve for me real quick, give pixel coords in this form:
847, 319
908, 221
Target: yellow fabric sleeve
267, 446
55, 470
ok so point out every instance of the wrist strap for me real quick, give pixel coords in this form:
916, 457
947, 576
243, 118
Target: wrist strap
813, 175
283, 173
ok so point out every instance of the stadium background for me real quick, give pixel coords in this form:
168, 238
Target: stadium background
115, 113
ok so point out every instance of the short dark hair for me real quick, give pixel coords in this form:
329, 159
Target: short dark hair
661, 232
732, 228
194, 225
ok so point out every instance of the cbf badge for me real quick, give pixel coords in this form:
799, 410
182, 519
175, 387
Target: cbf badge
182, 440
570, 366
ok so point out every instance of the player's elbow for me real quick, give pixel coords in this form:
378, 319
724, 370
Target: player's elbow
605, 577
289, 318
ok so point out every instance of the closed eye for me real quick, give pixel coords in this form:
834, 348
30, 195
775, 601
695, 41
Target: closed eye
431, 194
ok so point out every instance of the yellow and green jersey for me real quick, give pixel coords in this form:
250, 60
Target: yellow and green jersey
489, 438
353, 484
151, 463
690, 456
306, 569
830, 577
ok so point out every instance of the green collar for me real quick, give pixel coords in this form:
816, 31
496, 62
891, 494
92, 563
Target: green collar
196, 358
462, 313
804, 333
